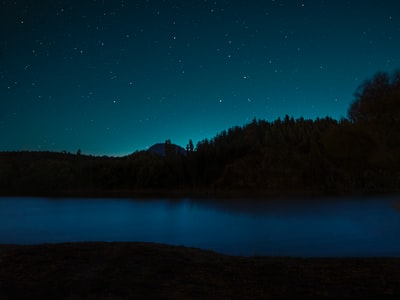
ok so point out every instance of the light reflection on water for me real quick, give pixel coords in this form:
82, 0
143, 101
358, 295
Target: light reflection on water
285, 227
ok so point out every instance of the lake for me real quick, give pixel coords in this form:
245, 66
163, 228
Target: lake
315, 227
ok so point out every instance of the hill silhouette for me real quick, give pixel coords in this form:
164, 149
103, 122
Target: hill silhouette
162, 148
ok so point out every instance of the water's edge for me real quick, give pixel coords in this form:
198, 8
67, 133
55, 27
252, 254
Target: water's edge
306, 227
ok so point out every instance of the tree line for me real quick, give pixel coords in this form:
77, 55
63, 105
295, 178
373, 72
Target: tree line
360, 153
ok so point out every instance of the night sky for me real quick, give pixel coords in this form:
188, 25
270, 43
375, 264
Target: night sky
112, 77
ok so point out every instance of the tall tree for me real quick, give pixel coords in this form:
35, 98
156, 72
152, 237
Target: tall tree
377, 100
189, 146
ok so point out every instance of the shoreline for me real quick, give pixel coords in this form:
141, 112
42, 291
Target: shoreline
196, 194
97, 270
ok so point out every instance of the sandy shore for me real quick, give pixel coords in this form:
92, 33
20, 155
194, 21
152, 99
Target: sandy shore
154, 271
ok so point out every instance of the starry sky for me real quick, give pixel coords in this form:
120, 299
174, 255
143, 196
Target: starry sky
111, 77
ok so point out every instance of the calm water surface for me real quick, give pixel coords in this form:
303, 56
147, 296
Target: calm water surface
296, 227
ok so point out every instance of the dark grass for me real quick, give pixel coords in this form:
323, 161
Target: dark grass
155, 271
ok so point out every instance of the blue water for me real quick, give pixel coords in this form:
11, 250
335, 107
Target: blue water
285, 227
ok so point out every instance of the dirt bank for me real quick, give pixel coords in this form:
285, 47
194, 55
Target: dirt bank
154, 271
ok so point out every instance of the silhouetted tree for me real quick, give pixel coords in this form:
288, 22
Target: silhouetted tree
377, 108
377, 99
170, 149
189, 146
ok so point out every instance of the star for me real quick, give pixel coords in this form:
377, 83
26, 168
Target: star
101, 54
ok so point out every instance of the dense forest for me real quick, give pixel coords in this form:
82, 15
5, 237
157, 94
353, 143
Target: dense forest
360, 153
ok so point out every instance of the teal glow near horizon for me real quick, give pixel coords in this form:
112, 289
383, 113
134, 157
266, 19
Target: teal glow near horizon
112, 77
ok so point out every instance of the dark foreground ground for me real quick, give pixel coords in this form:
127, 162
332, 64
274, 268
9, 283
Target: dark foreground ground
153, 271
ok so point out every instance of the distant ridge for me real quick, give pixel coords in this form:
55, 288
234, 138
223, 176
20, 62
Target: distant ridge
159, 149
